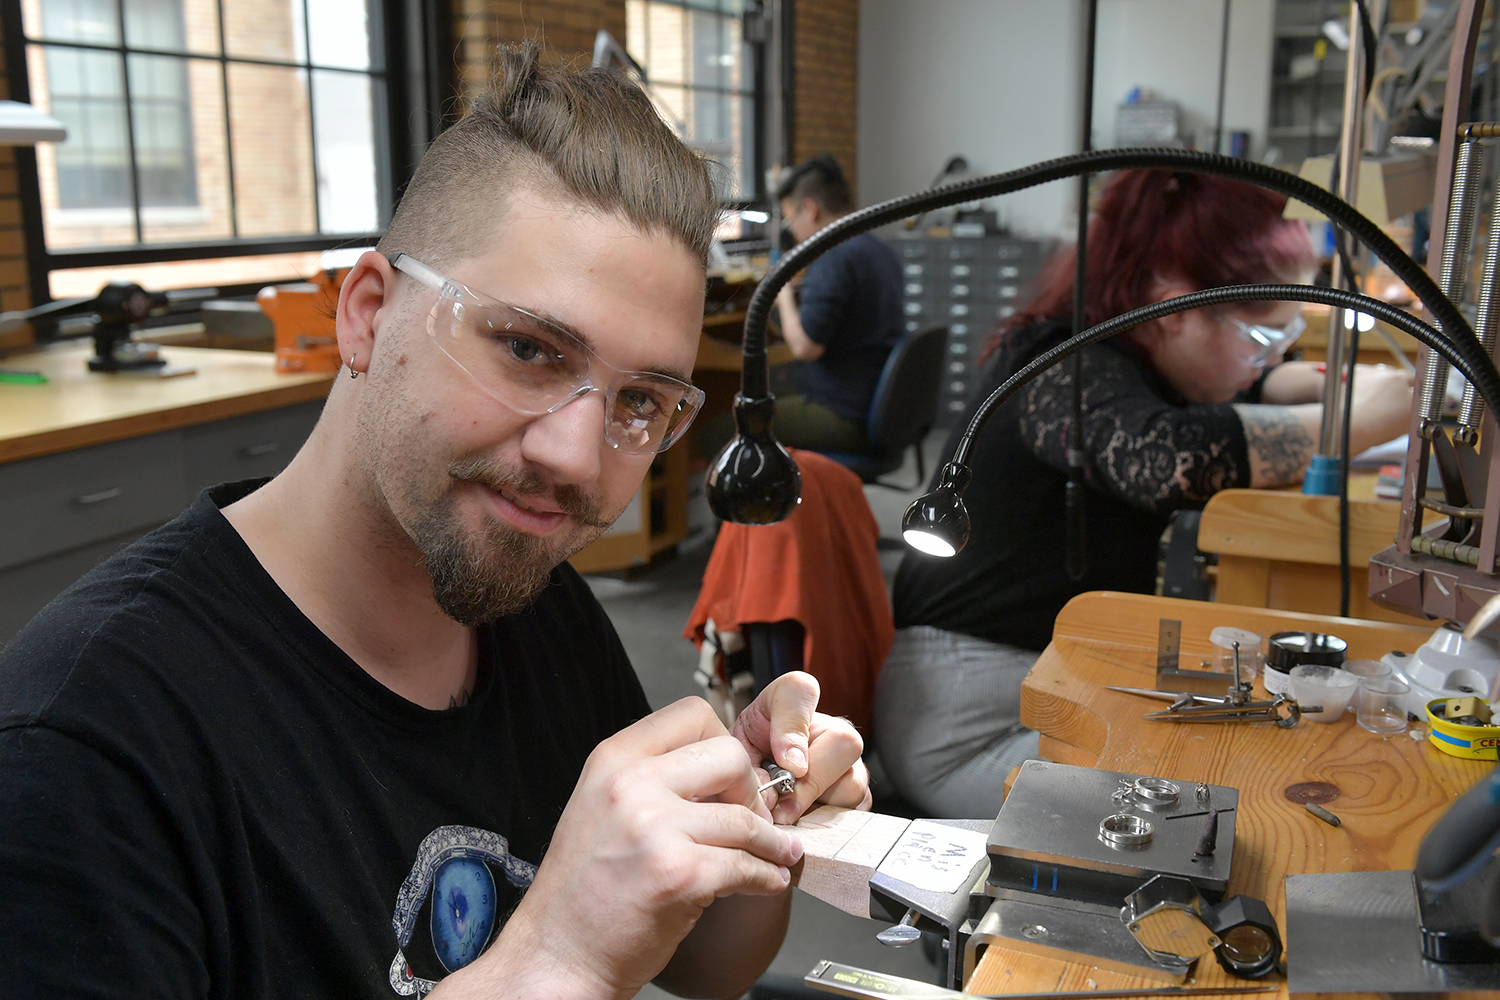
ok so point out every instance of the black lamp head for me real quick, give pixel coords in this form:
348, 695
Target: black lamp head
753, 480
937, 523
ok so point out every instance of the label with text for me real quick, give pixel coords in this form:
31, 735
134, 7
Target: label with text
934, 857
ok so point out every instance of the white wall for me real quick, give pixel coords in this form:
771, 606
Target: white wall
1171, 47
997, 81
994, 80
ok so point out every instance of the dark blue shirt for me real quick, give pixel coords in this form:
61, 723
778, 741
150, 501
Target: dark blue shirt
850, 303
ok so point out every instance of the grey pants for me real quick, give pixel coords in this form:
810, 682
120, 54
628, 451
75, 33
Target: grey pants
947, 721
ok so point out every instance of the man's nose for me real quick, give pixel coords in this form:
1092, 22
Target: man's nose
568, 442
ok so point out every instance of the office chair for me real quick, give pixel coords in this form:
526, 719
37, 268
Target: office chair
903, 409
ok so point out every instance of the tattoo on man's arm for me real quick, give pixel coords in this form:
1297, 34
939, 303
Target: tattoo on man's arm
1280, 446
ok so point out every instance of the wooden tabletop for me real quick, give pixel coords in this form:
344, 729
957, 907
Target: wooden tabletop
716, 354
76, 407
1388, 790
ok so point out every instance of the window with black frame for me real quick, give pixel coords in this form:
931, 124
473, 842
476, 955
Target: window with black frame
206, 129
702, 80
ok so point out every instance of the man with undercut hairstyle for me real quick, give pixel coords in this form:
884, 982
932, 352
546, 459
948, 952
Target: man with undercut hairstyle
841, 322
360, 730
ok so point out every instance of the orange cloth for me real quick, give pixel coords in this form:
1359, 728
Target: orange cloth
819, 567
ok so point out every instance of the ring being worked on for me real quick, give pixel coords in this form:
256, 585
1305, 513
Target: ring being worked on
1157, 790
781, 779
1125, 830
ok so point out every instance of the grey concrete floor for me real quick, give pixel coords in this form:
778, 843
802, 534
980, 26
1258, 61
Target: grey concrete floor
649, 609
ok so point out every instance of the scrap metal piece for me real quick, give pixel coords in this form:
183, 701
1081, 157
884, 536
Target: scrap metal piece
1324, 814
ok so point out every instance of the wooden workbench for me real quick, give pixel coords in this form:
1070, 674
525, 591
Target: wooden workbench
1280, 548
76, 408
1387, 790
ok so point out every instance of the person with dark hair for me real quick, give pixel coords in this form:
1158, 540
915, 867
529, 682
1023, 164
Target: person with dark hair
1173, 411
359, 730
841, 323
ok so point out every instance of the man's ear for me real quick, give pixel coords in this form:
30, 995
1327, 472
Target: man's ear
364, 301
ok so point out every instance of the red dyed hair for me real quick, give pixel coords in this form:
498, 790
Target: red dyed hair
1199, 229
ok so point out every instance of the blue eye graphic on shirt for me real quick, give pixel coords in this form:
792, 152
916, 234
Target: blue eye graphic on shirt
463, 911
454, 863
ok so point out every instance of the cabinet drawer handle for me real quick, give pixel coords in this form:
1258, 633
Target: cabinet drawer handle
257, 450
99, 497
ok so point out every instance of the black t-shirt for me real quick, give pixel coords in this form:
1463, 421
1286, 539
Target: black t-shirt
1147, 452
202, 796
850, 302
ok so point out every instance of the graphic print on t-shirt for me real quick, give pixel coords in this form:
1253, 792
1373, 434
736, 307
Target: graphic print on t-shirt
456, 863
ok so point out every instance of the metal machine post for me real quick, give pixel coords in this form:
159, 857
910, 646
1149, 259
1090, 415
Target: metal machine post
1323, 476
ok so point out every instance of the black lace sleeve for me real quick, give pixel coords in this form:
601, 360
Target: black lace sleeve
1139, 446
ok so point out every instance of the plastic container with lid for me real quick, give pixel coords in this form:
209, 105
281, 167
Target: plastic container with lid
1292, 649
1251, 658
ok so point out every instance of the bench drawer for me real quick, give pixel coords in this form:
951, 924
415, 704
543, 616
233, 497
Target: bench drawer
59, 502
256, 444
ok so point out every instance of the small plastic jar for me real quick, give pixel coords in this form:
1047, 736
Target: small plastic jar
1292, 649
1251, 658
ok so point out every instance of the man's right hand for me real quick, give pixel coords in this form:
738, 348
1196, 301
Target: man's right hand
664, 819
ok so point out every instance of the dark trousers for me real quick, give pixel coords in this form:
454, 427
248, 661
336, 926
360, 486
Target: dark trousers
799, 423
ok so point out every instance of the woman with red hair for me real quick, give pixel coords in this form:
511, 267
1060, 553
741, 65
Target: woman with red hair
1173, 411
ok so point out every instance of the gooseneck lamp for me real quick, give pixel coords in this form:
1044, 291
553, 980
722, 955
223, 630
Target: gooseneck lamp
937, 522
754, 481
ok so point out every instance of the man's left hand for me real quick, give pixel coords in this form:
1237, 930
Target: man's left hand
821, 751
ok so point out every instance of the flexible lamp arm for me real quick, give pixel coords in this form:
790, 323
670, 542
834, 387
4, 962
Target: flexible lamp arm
754, 380
1485, 377
938, 523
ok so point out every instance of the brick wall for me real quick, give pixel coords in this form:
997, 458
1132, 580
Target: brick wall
826, 39
568, 26
825, 46
15, 285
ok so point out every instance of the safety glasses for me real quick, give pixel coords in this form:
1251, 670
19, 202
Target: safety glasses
1268, 341
535, 367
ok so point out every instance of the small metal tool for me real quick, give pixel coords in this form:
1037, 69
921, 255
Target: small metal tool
900, 934
848, 981
1324, 814
1234, 705
1185, 697
1209, 839
781, 779
1283, 711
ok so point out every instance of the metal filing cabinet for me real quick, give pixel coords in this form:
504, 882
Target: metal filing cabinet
969, 284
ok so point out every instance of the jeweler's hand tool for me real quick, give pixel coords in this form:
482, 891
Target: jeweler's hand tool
1185, 697
781, 779
1283, 711
848, 981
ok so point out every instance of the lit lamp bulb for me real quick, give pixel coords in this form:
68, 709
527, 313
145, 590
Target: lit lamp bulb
937, 523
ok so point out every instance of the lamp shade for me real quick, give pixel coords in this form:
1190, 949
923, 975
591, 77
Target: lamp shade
937, 523
753, 480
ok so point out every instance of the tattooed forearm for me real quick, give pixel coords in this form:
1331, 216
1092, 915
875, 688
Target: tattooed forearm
1281, 440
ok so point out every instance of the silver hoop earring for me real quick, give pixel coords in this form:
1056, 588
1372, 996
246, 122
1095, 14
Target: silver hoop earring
352, 372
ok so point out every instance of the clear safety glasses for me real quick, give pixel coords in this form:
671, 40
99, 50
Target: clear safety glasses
1269, 341
535, 367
